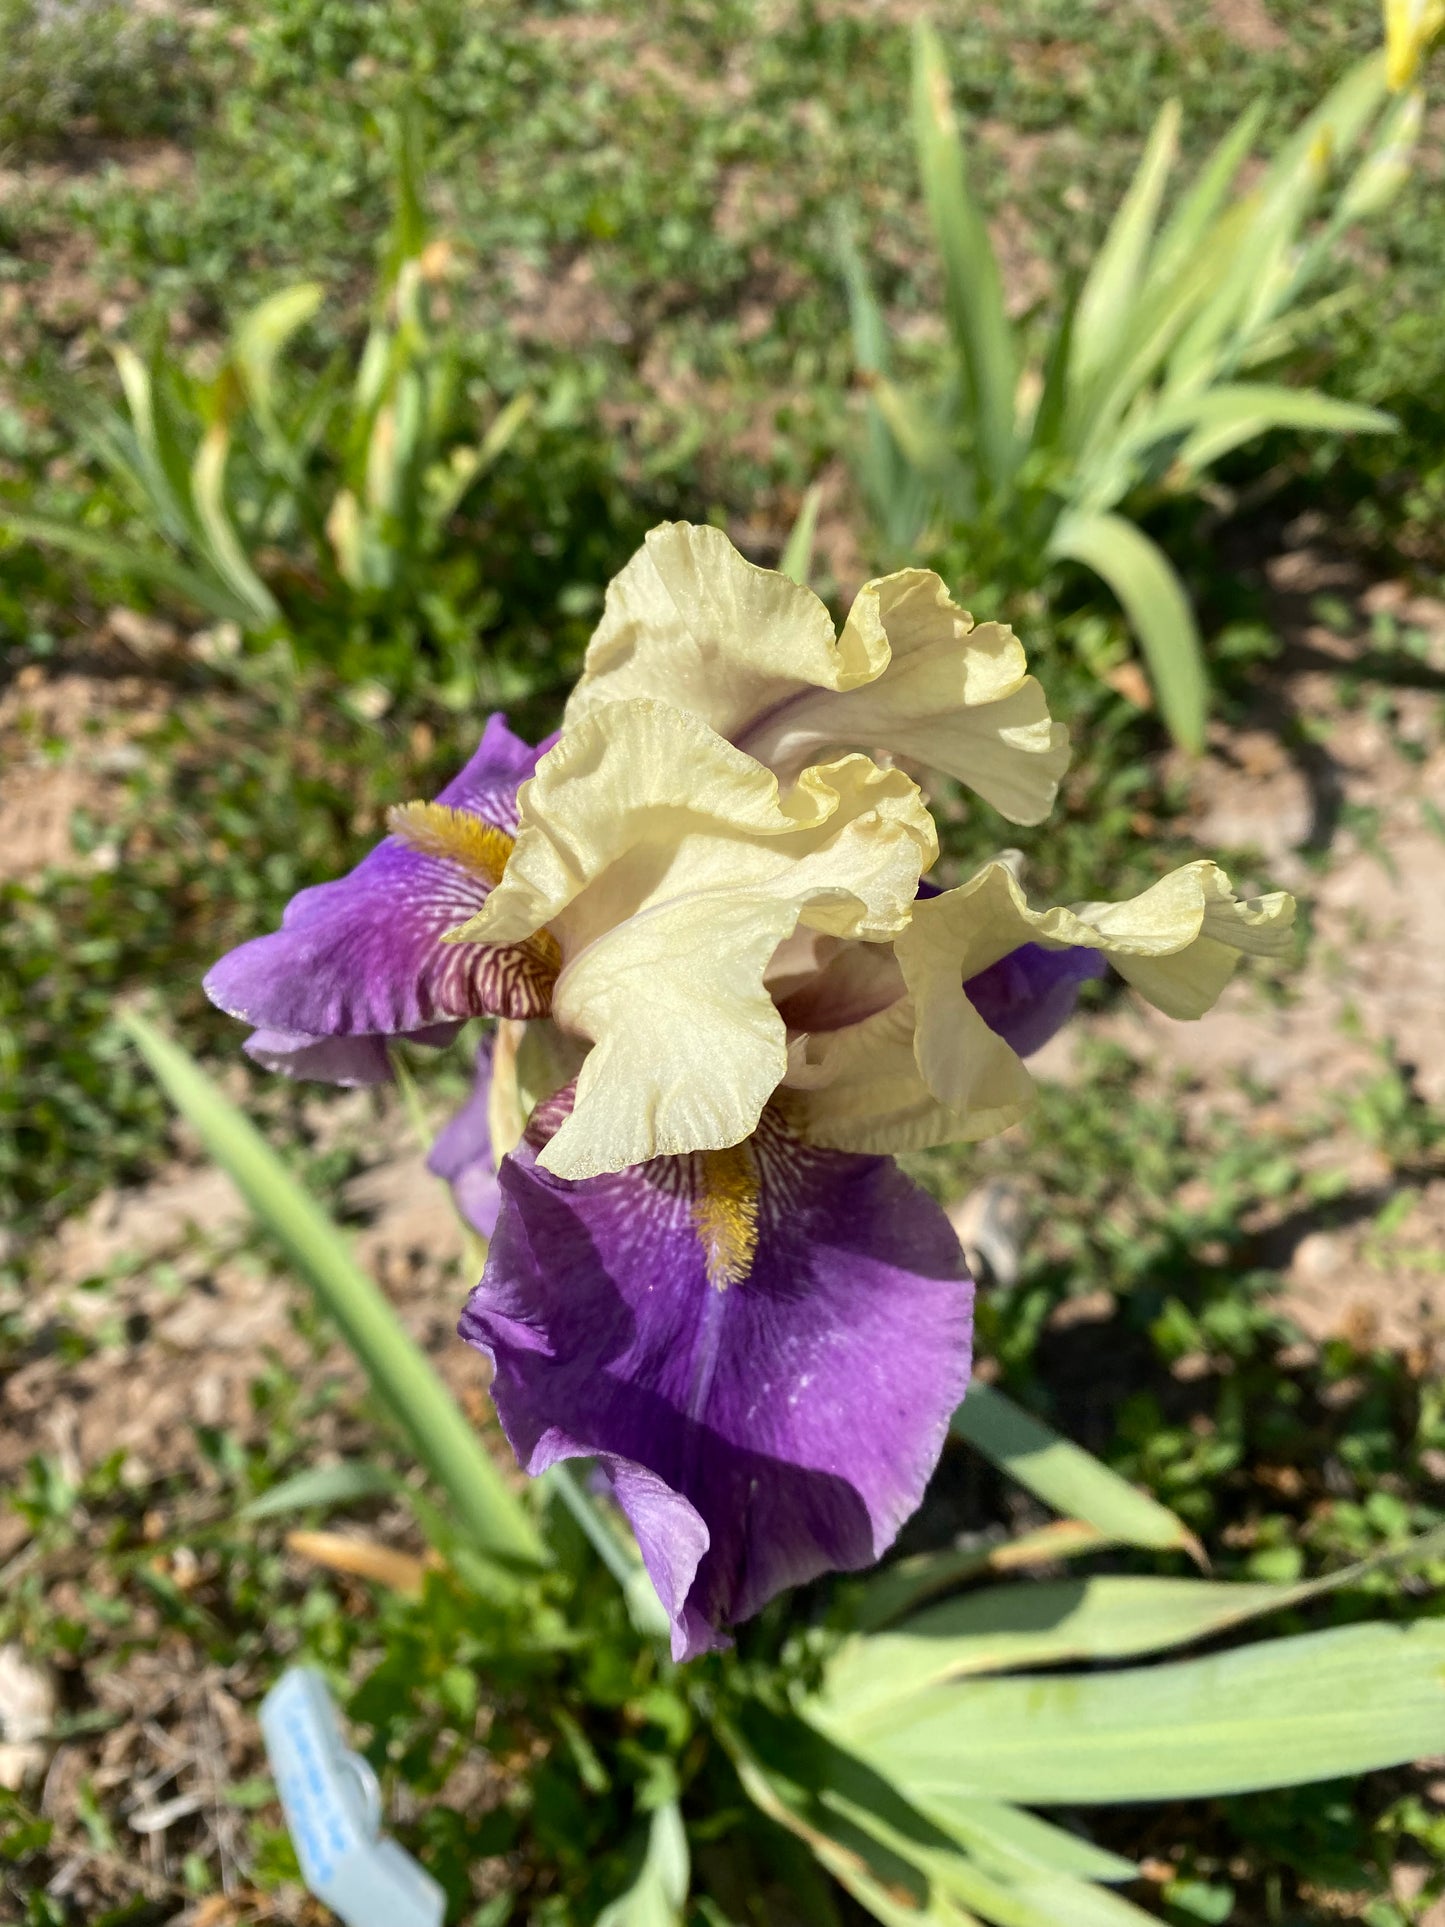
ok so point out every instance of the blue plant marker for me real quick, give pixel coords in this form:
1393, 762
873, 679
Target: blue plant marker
333, 1810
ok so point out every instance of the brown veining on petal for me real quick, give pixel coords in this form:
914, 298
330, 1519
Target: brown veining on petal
511, 980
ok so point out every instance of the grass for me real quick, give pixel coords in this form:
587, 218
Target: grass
646, 210
723, 313
1286, 1456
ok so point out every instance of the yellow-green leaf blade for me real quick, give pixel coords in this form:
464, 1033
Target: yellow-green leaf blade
1007, 1628
1112, 287
973, 287
1063, 1475
403, 1379
870, 1681
1152, 597
1281, 1712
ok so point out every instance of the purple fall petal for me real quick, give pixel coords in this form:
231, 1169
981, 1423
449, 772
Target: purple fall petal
1029, 994
757, 1433
362, 957
462, 1153
336, 1060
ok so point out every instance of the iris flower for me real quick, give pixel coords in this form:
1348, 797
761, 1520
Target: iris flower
728, 996
360, 961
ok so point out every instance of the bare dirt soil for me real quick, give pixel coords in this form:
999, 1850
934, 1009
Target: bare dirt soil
203, 1316
1351, 818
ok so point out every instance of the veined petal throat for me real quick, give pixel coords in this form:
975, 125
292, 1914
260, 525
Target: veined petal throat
525, 972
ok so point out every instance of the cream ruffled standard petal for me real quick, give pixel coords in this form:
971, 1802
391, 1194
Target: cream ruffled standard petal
953, 696
669, 866
1178, 944
693, 623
